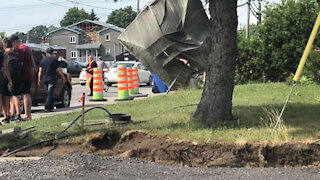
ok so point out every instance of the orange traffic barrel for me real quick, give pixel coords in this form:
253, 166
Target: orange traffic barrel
98, 85
130, 81
135, 80
123, 93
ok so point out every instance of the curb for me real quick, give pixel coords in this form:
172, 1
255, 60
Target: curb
75, 83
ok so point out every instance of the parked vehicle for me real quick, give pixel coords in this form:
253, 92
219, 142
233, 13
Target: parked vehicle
111, 77
111, 74
62, 92
83, 77
75, 68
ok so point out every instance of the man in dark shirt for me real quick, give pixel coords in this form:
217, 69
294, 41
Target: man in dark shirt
49, 66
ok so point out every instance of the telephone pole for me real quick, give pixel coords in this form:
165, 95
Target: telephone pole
248, 19
138, 6
259, 12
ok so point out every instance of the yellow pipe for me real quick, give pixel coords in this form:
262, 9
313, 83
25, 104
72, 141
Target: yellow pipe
307, 50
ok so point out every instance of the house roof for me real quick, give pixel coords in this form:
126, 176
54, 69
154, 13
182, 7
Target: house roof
90, 21
89, 46
43, 46
74, 29
116, 28
105, 25
65, 28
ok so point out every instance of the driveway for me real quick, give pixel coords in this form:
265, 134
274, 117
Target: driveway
77, 91
75, 166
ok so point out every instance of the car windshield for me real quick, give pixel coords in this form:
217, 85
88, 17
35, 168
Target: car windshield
82, 64
126, 64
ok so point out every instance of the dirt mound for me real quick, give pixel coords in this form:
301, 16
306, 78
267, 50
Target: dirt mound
102, 141
163, 149
135, 144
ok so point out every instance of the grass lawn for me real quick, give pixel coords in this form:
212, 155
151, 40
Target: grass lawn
253, 107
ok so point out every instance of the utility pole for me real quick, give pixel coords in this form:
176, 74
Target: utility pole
248, 19
138, 6
28, 37
259, 12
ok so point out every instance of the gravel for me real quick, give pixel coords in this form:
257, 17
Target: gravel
76, 166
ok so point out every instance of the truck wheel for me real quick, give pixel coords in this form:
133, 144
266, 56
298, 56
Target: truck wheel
150, 81
65, 97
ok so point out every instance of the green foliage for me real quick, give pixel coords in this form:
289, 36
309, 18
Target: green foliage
2, 35
122, 17
274, 50
312, 68
36, 33
74, 15
93, 16
52, 28
256, 106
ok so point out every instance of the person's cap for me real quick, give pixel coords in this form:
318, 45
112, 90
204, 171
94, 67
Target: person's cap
50, 50
14, 38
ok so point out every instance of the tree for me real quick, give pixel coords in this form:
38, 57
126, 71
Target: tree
216, 100
52, 28
36, 33
2, 35
93, 16
275, 48
122, 17
74, 15
21, 35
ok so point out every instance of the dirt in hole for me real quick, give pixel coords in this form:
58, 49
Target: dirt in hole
163, 149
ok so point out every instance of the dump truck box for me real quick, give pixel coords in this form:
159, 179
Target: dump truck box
165, 31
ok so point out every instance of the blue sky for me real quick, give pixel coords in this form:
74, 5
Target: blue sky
22, 15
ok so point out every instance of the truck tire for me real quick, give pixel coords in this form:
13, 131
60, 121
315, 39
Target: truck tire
65, 97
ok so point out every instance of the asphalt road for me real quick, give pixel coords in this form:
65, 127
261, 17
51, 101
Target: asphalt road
77, 91
75, 166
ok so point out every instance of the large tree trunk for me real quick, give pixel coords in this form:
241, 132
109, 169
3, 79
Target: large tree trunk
216, 101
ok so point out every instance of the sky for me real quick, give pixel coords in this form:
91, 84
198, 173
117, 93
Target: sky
22, 15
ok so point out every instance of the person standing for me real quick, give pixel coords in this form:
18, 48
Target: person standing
5, 81
100, 63
49, 66
14, 66
91, 65
27, 74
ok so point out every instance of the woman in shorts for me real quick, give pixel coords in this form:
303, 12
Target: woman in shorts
5, 80
14, 66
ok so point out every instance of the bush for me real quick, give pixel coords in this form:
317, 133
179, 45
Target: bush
273, 51
312, 67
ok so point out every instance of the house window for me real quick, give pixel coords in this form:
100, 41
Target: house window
108, 51
73, 54
72, 39
107, 36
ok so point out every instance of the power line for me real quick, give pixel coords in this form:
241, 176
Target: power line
83, 4
54, 3
48, 23
242, 4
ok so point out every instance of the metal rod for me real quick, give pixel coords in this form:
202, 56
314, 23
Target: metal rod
173, 82
284, 107
82, 112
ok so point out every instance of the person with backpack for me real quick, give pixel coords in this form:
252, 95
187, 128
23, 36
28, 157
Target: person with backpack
5, 81
27, 74
14, 66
